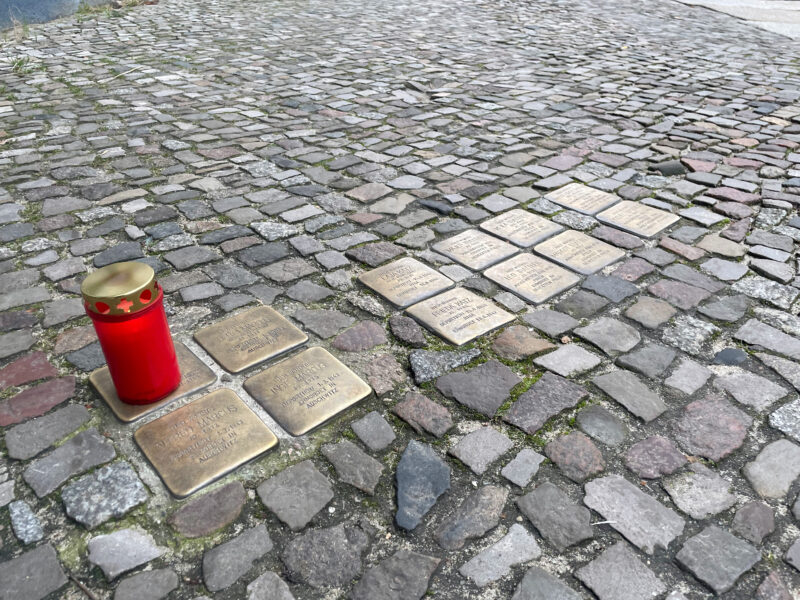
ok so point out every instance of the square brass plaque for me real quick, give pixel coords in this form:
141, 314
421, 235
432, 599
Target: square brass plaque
582, 198
195, 376
637, 218
521, 227
531, 277
405, 282
475, 249
459, 315
203, 440
249, 338
579, 252
306, 390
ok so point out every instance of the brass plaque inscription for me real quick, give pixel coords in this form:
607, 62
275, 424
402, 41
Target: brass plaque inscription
579, 252
459, 315
405, 282
195, 376
249, 338
475, 249
521, 227
306, 390
637, 218
204, 440
531, 277
582, 198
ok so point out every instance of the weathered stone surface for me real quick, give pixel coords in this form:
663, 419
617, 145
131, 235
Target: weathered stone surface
428, 365
478, 513
653, 457
480, 448
551, 322
560, 521
644, 521
422, 476
353, 465
625, 388
688, 377
108, 492
122, 551
326, 557
610, 335
226, 563
754, 521
28, 439
383, 372
296, 494
495, 562
374, 431
424, 414
568, 360
717, 558
483, 388
600, 424
689, 333
760, 335
25, 524
617, 574
726, 308
324, 323
36, 400
712, 428
576, 456
650, 360
407, 330
211, 511
699, 492
773, 588
521, 469
543, 400
32, 575
581, 304
774, 469
751, 389
787, 419
793, 554
80, 453
268, 586
26, 369
679, 294
150, 585
362, 336
518, 342
403, 576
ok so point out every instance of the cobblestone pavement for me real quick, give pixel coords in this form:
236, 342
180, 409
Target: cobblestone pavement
635, 436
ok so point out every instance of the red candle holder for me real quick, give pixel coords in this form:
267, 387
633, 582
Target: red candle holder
126, 306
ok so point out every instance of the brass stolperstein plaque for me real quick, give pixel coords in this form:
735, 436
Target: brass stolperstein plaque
521, 227
249, 338
195, 376
204, 440
475, 249
459, 315
306, 390
579, 252
637, 218
405, 282
582, 198
534, 279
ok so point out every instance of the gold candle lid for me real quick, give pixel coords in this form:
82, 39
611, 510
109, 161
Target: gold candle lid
120, 289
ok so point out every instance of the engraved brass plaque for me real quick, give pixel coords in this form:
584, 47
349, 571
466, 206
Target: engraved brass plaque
195, 376
582, 198
531, 277
405, 282
637, 218
249, 338
203, 440
459, 315
475, 249
579, 252
306, 390
521, 227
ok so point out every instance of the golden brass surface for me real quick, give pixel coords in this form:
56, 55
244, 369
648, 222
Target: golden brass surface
579, 252
306, 390
582, 198
459, 315
195, 376
475, 249
249, 338
120, 289
534, 279
521, 227
637, 218
405, 282
203, 440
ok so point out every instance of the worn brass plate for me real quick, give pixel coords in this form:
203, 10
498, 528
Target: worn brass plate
579, 252
195, 376
531, 277
475, 249
582, 198
405, 282
637, 218
203, 440
306, 390
459, 315
249, 338
521, 227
